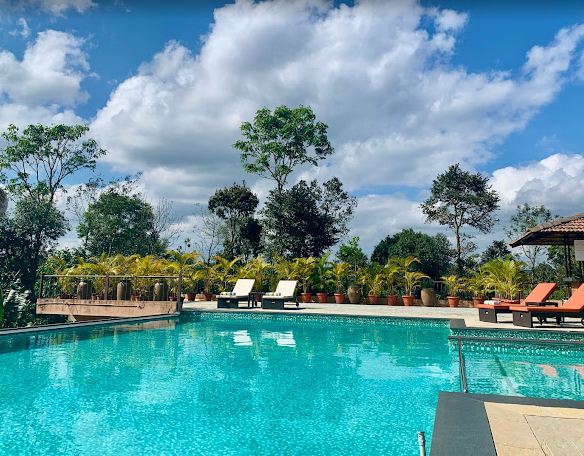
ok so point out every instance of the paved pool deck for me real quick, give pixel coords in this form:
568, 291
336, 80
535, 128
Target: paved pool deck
469, 315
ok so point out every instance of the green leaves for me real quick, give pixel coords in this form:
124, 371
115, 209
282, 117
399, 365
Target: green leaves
119, 223
460, 198
277, 142
37, 162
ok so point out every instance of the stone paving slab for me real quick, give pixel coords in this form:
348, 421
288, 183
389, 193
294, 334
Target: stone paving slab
534, 430
469, 315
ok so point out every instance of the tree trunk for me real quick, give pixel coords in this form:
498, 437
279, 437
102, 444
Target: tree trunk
459, 268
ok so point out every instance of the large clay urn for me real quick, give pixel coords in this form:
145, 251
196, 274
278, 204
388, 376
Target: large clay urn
123, 290
429, 297
83, 290
354, 294
160, 290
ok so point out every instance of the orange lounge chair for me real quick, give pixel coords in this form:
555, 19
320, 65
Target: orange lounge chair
541, 292
573, 307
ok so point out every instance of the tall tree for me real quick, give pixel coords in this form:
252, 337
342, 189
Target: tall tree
497, 249
307, 219
34, 165
525, 218
37, 161
277, 142
458, 199
120, 223
434, 252
236, 206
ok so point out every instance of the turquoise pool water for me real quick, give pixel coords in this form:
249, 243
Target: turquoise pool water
234, 385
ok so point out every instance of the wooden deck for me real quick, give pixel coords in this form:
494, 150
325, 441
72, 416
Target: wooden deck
89, 309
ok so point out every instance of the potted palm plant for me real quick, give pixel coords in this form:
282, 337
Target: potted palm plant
206, 274
338, 275
505, 277
224, 271
321, 266
376, 281
410, 279
303, 270
391, 272
478, 286
455, 285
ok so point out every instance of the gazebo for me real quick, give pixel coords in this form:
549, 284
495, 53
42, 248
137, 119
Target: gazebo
567, 232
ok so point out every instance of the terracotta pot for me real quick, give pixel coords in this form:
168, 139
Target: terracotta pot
340, 298
354, 294
208, 296
392, 300
453, 301
191, 296
322, 298
258, 297
372, 299
305, 297
408, 300
476, 301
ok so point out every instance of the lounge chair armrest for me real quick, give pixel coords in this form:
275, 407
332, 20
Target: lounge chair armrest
542, 304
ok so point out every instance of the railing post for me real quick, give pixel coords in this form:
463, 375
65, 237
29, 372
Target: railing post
106, 291
179, 293
41, 285
422, 443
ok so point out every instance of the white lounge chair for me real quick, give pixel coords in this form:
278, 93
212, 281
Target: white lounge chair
241, 291
285, 291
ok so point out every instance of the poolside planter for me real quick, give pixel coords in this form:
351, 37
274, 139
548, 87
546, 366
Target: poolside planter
477, 301
322, 298
191, 296
305, 297
453, 301
83, 290
392, 300
429, 297
372, 299
354, 293
339, 298
408, 300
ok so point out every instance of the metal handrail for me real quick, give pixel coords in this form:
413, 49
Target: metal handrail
113, 276
462, 368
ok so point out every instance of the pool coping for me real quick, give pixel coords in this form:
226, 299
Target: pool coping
81, 324
456, 324
461, 424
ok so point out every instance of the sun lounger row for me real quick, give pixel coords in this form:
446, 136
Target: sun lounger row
285, 292
536, 305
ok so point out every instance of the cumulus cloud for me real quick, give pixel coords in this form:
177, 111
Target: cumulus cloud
555, 182
45, 85
398, 111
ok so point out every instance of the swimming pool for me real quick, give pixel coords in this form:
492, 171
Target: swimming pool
237, 384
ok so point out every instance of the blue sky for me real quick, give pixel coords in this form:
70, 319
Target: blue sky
407, 89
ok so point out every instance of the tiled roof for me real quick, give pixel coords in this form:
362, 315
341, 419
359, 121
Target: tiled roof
556, 232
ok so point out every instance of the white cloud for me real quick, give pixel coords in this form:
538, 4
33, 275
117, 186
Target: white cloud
555, 182
23, 31
398, 111
45, 85
54, 7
